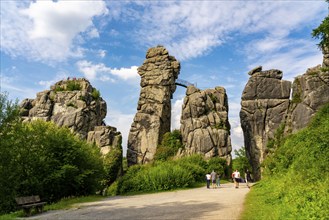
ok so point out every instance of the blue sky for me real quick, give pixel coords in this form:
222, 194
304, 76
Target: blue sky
217, 43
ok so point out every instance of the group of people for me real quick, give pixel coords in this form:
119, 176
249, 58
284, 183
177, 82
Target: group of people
214, 178
237, 179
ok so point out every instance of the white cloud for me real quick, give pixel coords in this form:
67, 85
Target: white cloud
126, 73
45, 30
101, 71
193, 28
102, 53
293, 58
176, 111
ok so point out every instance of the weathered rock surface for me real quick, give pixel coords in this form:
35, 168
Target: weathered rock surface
205, 127
152, 120
73, 103
106, 137
310, 92
264, 106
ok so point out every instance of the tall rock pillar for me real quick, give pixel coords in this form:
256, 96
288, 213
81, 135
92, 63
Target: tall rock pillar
264, 106
205, 127
152, 120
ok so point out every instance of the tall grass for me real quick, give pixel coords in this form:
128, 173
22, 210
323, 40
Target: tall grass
296, 177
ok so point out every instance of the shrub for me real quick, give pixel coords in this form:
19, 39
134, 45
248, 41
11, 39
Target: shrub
73, 85
169, 146
295, 182
43, 159
113, 164
95, 94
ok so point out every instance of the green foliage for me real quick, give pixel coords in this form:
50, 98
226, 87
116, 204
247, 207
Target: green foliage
39, 158
324, 69
241, 162
9, 112
95, 94
217, 164
71, 104
220, 125
169, 146
73, 85
322, 33
165, 175
113, 164
295, 183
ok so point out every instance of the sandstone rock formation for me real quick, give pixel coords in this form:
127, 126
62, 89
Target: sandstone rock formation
205, 127
106, 137
264, 106
310, 92
152, 120
73, 103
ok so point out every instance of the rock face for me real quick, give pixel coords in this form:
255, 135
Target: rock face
310, 92
73, 103
205, 127
264, 106
152, 120
106, 137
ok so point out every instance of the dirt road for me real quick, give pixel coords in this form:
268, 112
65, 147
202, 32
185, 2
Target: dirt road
225, 202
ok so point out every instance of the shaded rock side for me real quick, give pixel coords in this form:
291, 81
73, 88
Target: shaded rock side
73, 103
152, 120
205, 127
264, 106
310, 92
106, 137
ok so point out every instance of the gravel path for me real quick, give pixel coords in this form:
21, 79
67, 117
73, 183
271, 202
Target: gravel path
225, 202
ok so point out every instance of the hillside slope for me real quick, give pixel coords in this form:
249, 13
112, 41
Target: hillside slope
295, 183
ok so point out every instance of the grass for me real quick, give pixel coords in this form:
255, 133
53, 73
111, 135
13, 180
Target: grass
295, 183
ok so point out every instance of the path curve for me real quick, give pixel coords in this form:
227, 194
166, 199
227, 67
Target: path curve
225, 202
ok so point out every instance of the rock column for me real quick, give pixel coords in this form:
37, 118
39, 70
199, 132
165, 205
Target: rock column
205, 127
152, 120
264, 106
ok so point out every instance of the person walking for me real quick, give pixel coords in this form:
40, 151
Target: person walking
208, 178
213, 179
247, 177
236, 177
218, 180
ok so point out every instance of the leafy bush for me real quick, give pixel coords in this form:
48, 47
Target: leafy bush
217, 164
164, 175
73, 85
169, 146
295, 183
95, 94
113, 164
240, 162
39, 158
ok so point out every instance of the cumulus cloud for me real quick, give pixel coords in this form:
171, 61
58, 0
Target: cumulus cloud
176, 111
46, 30
101, 71
193, 28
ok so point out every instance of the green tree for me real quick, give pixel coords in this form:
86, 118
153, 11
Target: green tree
322, 32
40, 158
9, 121
169, 146
240, 162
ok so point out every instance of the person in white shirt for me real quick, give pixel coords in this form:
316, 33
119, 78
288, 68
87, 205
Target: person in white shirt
236, 177
208, 178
